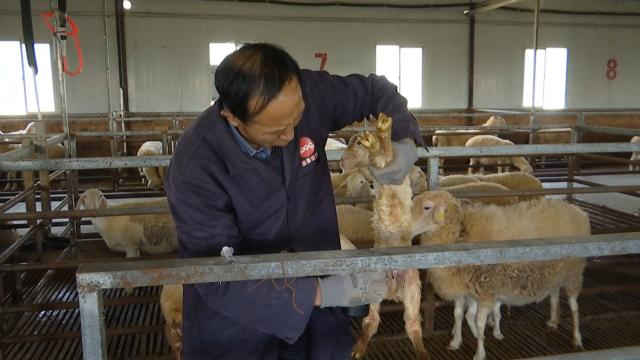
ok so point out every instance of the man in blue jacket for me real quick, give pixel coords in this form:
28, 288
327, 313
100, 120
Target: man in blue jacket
251, 173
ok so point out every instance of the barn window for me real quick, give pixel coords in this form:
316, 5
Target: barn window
551, 78
17, 94
217, 53
403, 67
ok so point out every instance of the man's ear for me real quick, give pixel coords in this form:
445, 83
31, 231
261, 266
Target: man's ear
234, 121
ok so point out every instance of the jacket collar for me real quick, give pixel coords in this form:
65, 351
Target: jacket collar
235, 158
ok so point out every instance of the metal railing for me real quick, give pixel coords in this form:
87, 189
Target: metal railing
93, 278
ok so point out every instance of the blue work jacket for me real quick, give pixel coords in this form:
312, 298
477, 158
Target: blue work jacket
220, 196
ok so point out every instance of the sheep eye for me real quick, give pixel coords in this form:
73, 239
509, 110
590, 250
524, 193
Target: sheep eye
427, 207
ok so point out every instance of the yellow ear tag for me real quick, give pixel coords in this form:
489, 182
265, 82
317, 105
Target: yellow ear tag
439, 215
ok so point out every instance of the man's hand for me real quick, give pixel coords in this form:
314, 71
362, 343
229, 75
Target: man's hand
405, 155
353, 289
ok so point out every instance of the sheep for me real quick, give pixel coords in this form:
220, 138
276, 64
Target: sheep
355, 224
392, 227
490, 140
453, 180
418, 180
635, 156
56, 151
154, 174
439, 218
464, 135
514, 181
152, 233
171, 306
484, 187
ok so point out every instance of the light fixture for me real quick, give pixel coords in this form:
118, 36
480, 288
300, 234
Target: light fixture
127, 4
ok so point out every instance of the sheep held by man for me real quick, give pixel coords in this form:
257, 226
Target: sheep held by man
392, 227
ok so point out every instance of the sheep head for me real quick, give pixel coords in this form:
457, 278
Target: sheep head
495, 121
355, 156
437, 216
418, 180
92, 199
358, 185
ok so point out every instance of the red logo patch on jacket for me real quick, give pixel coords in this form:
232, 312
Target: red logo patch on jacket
307, 151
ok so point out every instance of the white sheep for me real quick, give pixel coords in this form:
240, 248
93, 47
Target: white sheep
461, 136
153, 174
490, 140
53, 152
355, 224
418, 180
392, 227
484, 187
152, 233
171, 306
439, 218
635, 156
453, 180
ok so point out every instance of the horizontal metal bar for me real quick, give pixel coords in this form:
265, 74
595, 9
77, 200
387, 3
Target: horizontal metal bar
127, 133
93, 277
84, 213
622, 353
466, 151
610, 159
611, 130
87, 163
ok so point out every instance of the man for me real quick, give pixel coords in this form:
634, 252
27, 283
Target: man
251, 173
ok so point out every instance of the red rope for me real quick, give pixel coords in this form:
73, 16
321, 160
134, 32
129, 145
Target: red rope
76, 42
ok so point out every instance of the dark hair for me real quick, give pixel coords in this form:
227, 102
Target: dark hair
260, 70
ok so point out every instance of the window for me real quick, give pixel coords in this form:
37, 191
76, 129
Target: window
217, 53
403, 67
17, 94
551, 78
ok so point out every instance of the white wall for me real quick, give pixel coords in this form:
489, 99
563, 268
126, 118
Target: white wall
167, 49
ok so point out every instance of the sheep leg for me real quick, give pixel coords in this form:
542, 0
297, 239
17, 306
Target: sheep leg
472, 310
131, 253
458, 313
412, 317
575, 315
369, 327
496, 321
483, 312
554, 300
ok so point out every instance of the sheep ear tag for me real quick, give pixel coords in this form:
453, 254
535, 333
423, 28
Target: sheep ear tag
439, 215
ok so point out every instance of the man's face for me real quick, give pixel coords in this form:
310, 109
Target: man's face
274, 125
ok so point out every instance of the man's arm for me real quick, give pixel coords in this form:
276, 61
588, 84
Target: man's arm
354, 97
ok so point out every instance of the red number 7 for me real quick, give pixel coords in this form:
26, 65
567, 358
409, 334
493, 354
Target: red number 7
323, 61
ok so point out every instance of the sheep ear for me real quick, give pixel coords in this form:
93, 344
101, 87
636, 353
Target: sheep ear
80, 202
